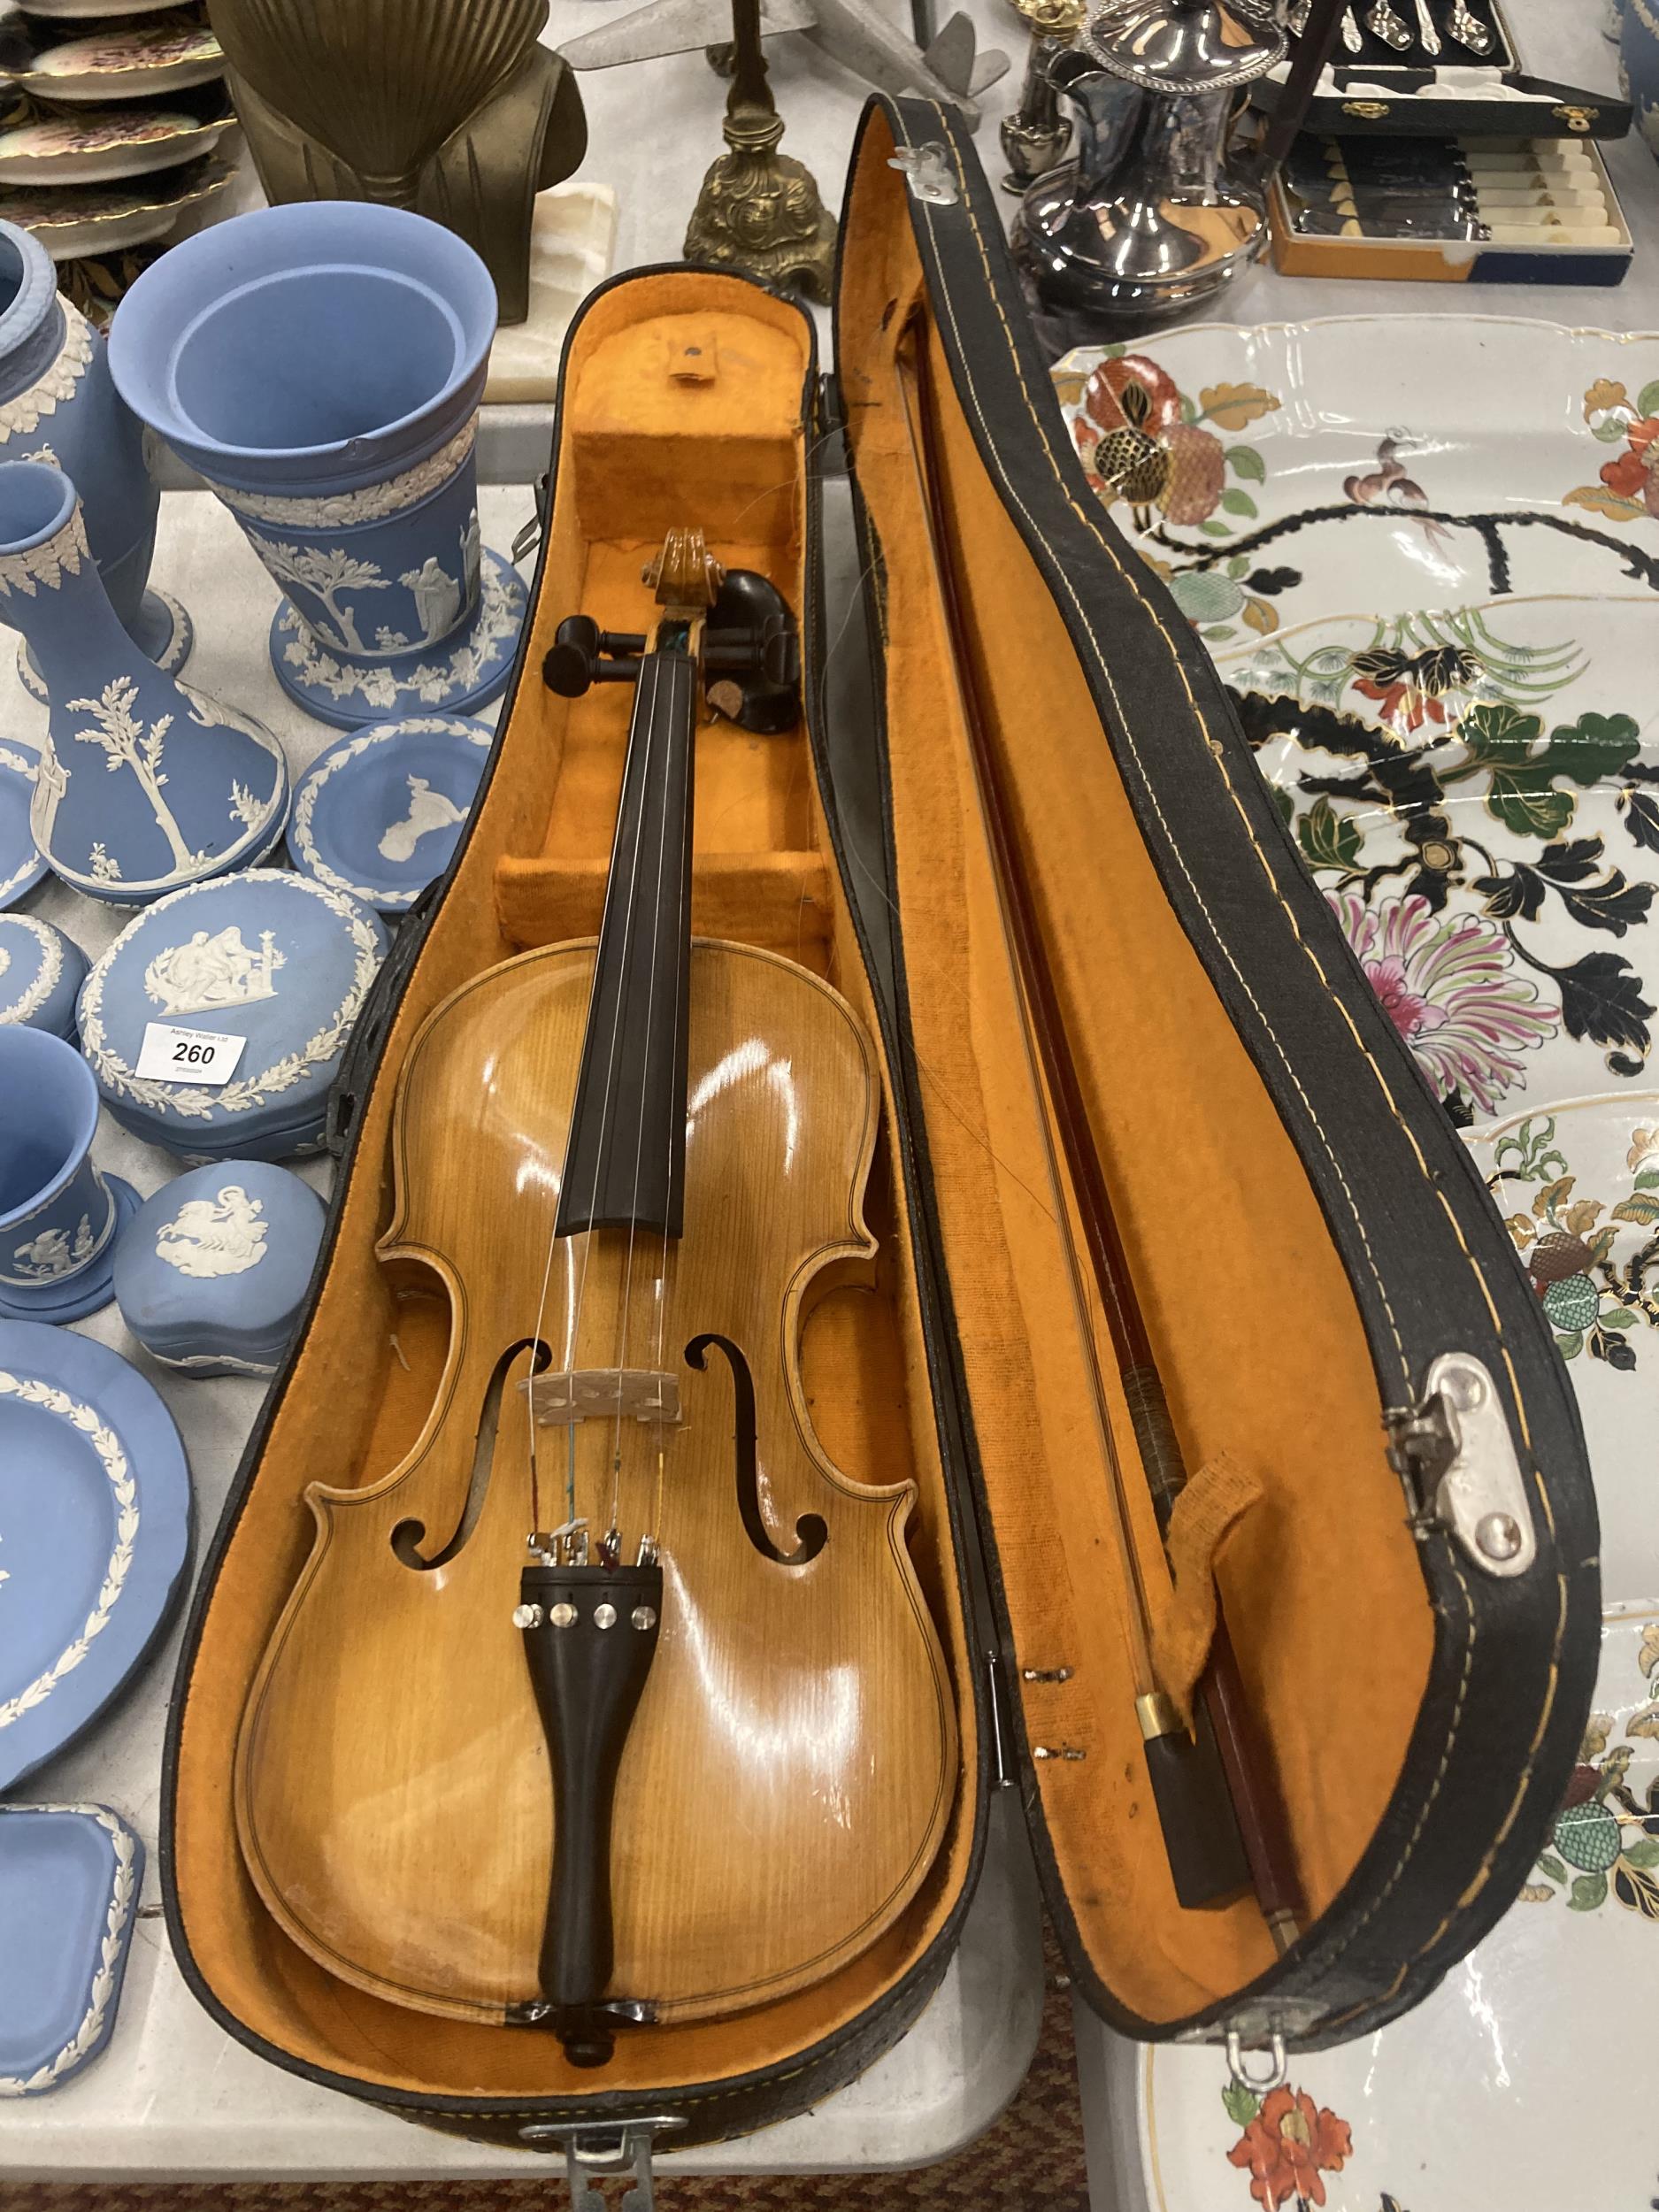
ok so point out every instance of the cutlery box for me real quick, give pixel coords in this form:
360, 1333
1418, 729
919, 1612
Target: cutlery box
1453, 93
1322, 1270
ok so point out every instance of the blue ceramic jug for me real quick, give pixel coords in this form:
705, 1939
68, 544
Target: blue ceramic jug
58, 405
321, 365
144, 785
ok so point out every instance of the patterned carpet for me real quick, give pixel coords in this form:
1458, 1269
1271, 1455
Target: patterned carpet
1031, 2161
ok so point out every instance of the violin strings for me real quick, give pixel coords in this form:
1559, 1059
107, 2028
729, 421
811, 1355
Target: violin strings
625, 1315
578, 1300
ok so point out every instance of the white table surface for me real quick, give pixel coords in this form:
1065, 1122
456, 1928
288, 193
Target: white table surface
173, 2098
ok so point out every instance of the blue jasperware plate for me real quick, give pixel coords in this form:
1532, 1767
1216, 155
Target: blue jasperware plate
378, 813
41, 973
267, 955
22, 864
69, 1882
94, 1534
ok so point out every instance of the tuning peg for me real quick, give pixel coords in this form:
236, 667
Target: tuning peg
582, 654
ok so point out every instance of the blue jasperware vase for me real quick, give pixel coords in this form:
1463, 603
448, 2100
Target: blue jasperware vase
144, 785
321, 365
59, 1215
59, 404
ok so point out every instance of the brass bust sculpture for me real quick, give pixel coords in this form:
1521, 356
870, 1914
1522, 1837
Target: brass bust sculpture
449, 107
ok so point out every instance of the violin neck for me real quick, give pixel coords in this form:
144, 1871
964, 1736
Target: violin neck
625, 1161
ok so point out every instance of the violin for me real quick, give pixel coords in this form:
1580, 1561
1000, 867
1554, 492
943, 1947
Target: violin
615, 1701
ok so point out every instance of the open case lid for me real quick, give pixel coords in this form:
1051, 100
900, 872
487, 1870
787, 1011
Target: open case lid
1334, 1303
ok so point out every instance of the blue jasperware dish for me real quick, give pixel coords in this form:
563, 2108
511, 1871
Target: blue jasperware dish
379, 812
40, 973
268, 956
95, 1507
212, 1273
321, 365
69, 1884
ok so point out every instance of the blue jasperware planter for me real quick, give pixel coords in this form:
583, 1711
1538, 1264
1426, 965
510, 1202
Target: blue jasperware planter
144, 784
59, 1214
59, 404
321, 365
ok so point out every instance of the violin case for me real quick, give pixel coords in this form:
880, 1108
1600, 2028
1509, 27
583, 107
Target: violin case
1309, 1239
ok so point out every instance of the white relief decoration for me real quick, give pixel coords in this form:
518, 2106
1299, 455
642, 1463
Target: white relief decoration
123, 1897
126, 743
428, 811
31, 1390
432, 681
215, 1236
245, 807
104, 866
30, 863
49, 563
42, 1259
18, 764
51, 967
213, 972
473, 556
369, 503
225, 1362
391, 640
60, 382
437, 598
300, 830
325, 573
247, 1094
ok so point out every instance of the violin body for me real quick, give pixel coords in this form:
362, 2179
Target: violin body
789, 1770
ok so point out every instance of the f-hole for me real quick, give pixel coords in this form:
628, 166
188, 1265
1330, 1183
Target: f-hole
810, 1528
407, 1535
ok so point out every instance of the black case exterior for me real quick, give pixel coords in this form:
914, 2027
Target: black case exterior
1514, 1667
1432, 1266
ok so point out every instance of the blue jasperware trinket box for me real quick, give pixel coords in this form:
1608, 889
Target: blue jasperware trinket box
41, 973
213, 1271
269, 956
69, 1884
379, 812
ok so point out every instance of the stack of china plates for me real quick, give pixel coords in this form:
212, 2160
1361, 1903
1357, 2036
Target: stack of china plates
111, 130
279, 961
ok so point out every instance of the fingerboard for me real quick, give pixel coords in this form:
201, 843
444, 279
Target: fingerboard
624, 1164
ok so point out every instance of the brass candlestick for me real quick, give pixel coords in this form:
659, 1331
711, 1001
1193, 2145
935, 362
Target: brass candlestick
759, 212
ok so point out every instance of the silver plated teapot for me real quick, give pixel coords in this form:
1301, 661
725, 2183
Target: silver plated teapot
1158, 211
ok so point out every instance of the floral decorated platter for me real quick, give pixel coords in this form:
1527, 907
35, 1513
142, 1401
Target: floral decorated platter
94, 1534
273, 959
379, 812
93, 147
1297, 469
22, 862
69, 1884
41, 974
1480, 2096
1578, 1186
1477, 793
123, 65
72, 219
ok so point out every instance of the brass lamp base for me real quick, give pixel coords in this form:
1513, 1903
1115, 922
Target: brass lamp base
760, 211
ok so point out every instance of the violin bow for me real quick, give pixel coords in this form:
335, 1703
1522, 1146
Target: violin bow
1219, 1806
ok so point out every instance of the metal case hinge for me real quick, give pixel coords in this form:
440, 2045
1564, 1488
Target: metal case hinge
606, 2147
1002, 1723
1456, 1457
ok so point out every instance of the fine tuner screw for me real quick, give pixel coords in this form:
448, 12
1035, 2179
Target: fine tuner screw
565, 1615
527, 1616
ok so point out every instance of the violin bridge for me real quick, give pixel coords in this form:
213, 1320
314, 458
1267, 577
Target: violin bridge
596, 1393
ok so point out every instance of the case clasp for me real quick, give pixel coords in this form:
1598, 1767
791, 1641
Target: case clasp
1455, 1451
926, 170
606, 2147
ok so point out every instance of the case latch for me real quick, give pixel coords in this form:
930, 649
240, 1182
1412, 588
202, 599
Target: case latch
606, 2147
1456, 1453
927, 170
